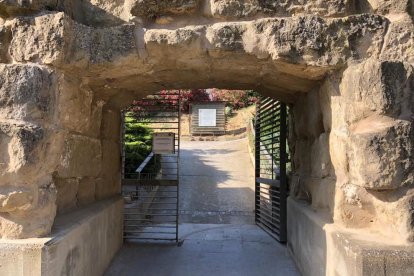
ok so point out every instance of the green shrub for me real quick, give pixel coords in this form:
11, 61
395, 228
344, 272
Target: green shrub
138, 143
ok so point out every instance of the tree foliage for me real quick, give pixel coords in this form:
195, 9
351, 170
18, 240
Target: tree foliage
165, 98
235, 99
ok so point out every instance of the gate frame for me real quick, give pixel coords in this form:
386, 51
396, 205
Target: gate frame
272, 120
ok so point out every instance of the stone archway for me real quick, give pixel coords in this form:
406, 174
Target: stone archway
348, 76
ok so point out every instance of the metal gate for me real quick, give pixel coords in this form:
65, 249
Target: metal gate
270, 172
150, 188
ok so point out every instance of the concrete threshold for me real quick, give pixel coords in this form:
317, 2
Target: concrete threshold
207, 249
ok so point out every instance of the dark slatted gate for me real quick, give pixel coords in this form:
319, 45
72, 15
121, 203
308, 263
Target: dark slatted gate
270, 171
150, 189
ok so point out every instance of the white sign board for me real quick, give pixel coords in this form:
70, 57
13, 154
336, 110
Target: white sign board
206, 117
163, 143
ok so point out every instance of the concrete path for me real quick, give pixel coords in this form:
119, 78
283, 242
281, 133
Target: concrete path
217, 192
216, 182
207, 250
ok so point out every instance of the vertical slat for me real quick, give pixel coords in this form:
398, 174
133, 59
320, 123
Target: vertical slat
122, 144
178, 165
257, 163
283, 176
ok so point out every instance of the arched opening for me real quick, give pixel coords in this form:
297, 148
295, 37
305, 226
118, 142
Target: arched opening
350, 128
191, 170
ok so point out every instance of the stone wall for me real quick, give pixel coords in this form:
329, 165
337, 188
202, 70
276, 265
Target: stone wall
345, 67
352, 144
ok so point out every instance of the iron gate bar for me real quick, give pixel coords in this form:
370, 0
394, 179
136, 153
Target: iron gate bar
270, 170
152, 204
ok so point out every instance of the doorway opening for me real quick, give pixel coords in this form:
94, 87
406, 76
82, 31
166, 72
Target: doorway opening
196, 156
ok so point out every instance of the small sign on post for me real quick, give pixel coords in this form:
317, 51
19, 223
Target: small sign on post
163, 143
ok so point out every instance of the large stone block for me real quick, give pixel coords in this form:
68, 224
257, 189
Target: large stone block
17, 7
111, 124
152, 10
399, 42
5, 39
377, 87
82, 157
249, 8
74, 105
86, 191
111, 158
67, 189
13, 199
320, 157
302, 157
381, 153
391, 7
28, 31
26, 92
30, 213
19, 144
354, 207
308, 116
63, 42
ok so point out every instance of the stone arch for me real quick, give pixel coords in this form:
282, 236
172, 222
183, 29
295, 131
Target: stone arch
347, 76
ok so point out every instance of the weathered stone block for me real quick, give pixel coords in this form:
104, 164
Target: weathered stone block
391, 7
109, 182
302, 157
322, 192
64, 42
111, 124
110, 44
377, 87
17, 7
15, 199
35, 221
19, 144
111, 158
67, 189
308, 117
86, 191
354, 207
28, 31
5, 39
26, 92
249, 8
107, 187
82, 157
320, 157
399, 42
74, 105
338, 155
151, 9
381, 153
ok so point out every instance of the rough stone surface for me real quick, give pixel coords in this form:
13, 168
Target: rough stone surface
345, 67
74, 163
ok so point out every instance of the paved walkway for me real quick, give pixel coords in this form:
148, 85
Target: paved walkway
216, 182
207, 250
217, 222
